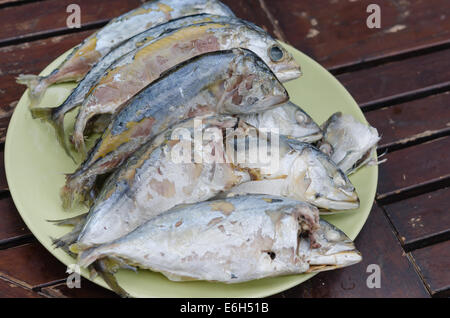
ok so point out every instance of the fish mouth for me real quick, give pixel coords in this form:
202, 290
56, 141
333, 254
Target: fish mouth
311, 138
334, 206
289, 72
336, 249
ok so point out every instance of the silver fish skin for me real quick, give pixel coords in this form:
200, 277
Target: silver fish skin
225, 82
233, 240
349, 142
139, 68
56, 115
302, 172
290, 120
151, 182
118, 30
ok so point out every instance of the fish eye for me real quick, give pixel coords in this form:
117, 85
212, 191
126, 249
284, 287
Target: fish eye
276, 53
301, 118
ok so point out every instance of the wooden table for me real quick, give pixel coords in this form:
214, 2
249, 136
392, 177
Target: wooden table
400, 76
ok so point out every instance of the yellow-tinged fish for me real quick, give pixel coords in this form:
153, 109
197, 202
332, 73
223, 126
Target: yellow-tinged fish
231, 241
96, 46
132, 72
225, 82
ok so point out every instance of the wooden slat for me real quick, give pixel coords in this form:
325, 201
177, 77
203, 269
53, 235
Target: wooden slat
3, 182
251, 10
410, 122
378, 245
421, 219
87, 290
396, 80
11, 290
11, 225
40, 18
335, 32
414, 167
433, 263
30, 265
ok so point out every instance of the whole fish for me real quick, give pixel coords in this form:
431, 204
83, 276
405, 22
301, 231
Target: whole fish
93, 48
295, 170
349, 142
152, 181
137, 69
231, 241
56, 115
290, 120
226, 82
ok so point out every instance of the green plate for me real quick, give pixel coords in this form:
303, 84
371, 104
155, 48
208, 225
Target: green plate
36, 164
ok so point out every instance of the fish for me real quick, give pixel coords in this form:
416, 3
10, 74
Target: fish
55, 115
139, 68
292, 169
349, 142
228, 82
234, 240
85, 55
290, 120
153, 181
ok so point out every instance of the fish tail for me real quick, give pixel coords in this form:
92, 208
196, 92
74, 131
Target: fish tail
37, 86
76, 189
103, 268
70, 238
78, 133
48, 114
78, 142
106, 267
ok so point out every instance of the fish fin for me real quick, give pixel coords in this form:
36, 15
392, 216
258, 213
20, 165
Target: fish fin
106, 268
70, 221
70, 238
47, 114
79, 144
37, 86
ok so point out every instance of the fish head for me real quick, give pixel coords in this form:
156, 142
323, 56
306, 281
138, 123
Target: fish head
320, 181
332, 249
297, 123
349, 139
280, 61
250, 86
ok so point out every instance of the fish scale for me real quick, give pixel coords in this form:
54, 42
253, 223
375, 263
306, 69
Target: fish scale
120, 29
232, 240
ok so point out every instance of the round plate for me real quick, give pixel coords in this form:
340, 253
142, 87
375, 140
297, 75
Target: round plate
36, 164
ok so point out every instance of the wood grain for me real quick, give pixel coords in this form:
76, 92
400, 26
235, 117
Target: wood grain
433, 263
39, 18
378, 245
408, 123
11, 225
87, 290
30, 265
251, 10
414, 167
335, 32
12, 290
381, 84
3, 182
